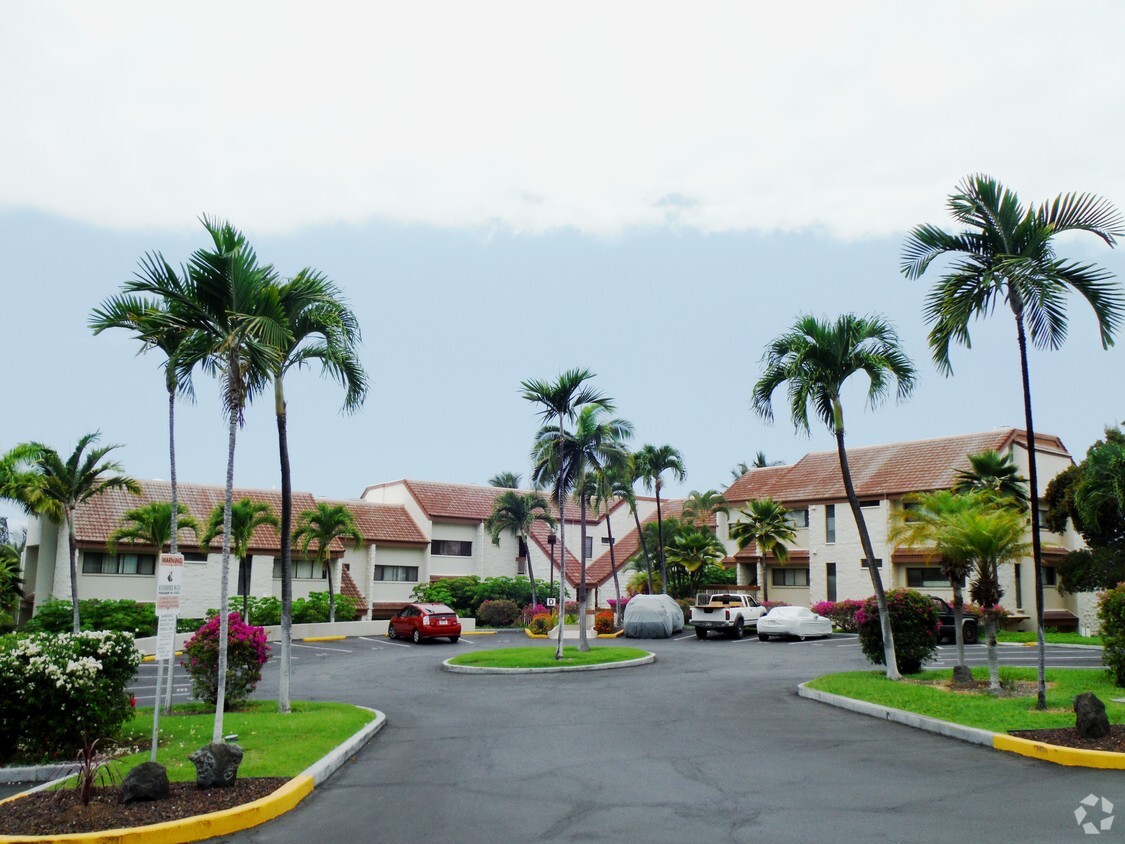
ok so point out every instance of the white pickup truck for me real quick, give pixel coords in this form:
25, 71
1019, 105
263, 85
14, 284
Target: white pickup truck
725, 612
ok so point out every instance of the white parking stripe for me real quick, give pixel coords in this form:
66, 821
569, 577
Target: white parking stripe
326, 650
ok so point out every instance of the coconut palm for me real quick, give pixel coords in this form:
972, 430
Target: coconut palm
996, 472
505, 480
1007, 254
516, 513
699, 506
766, 523
652, 462
151, 525
694, 549
625, 483
322, 525
561, 400
815, 359
49, 486
237, 529
608, 482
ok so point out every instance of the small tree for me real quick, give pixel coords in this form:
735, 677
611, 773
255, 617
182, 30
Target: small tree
246, 516
322, 525
914, 621
247, 652
766, 523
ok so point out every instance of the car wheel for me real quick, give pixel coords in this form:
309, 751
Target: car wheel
739, 630
700, 633
391, 632
453, 639
970, 633
417, 637
762, 637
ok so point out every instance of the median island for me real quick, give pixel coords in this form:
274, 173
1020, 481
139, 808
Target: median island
540, 658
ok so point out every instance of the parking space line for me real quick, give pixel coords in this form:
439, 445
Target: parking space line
396, 644
325, 650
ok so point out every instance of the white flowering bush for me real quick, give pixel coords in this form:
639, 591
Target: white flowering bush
58, 686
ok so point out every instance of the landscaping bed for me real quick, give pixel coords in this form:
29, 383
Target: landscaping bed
1067, 737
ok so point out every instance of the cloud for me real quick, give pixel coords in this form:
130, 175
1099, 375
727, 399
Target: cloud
855, 119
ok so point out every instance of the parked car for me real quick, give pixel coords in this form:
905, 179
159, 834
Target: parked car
800, 622
425, 621
970, 630
652, 617
724, 612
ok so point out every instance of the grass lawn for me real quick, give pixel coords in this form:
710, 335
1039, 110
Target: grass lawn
544, 657
921, 693
1052, 638
274, 745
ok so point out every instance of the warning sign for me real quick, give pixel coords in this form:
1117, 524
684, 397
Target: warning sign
169, 582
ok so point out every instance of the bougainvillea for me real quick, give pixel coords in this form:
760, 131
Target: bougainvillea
247, 652
914, 625
842, 613
603, 622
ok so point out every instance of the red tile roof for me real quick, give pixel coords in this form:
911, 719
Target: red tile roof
382, 523
348, 587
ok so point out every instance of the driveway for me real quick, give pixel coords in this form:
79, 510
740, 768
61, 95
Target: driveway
710, 742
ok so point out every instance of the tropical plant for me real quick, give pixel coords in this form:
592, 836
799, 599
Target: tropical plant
699, 506
914, 620
237, 529
815, 359
505, 480
10, 584
47, 485
766, 523
498, 613
150, 525
998, 473
652, 462
625, 487
561, 400
322, 525
760, 462
516, 513
611, 485
694, 550
1111, 614
1006, 253
247, 651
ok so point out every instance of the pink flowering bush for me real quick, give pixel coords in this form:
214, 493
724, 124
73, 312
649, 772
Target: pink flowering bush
769, 605
247, 652
842, 613
914, 625
529, 612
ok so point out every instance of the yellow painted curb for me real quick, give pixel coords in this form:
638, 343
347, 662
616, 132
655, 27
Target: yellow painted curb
1070, 756
324, 638
191, 829
531, 635
616, 635
152, 657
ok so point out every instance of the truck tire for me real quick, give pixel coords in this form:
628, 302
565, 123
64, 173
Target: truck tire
700, 633
739, 631
762, 637
970, 632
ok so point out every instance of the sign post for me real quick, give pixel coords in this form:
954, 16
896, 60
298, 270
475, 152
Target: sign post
169, 581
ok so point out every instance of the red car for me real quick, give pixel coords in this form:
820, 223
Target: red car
425, 621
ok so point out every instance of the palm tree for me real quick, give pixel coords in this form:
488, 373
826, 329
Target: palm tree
505, 480
571, 461
990, 470
652, 462
237, 530
151, 525
228, 305
1006, 254
322, 525
625, 484
49, 486
560, 400
10, 581
694, 550
517, 513
700, 505
766, 523
607, 482
815, 359
320, 327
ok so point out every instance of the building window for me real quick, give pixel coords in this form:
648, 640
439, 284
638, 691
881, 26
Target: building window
94, 562
589, 547
878, 563
451, 548
830, 581
798, 518
605, 540
830, 523
790, 577
871, 502
300, 569
195, 558
923, 578
399, 574
1050, 576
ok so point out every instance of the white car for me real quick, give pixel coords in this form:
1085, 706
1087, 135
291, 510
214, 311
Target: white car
793, 621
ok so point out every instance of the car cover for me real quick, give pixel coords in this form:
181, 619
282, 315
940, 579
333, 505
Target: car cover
652, 617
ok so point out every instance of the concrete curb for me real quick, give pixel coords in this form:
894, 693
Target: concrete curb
605, 666
37, 773
229, 820
1070, 756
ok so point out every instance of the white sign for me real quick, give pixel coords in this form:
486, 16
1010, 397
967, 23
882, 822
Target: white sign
166, 638
169, 581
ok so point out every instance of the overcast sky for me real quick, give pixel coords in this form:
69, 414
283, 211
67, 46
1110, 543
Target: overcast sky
507, 190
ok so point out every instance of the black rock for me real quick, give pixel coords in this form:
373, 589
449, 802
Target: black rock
216, 765
147, 781
1092, 722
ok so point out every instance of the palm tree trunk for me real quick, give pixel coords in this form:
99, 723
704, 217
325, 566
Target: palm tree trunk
525, 546
224, 586
72, 544
868, 550
583, 644
1033, 484
283, 694
993, 659
660, 540
762, 591
175, 540
613, 568
644, 545
562, 552
331, 593
959, 633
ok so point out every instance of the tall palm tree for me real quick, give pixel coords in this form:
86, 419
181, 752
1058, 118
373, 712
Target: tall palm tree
322, 525
561, 400
228, 305
49, 486
607, 482
694, 549
1006, 253
815, 359
625, 483
652, 462
766, 523
699, 506
151, 525
237, 529
320, 327
570, 461
516, 513
991, 470
505, 480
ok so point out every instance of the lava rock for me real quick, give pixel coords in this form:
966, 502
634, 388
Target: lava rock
147, 781
1092, 722
216, 765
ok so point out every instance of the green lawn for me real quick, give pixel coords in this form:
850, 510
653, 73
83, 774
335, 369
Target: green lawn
274, 745
1052, 638
921, 693
544, 657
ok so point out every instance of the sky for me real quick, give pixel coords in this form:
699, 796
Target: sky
505, 191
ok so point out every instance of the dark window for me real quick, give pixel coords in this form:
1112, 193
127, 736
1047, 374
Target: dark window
605, 540
830, 578
798, 518
99, 563
790, 577
878, 563
1050, 576
927, 577
871, 502
589, 548
451, 548
195, 558
400, 574
830, 523
300, 569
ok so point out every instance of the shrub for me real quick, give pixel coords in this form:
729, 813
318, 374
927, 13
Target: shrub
464, 595
59, 686
842, 613
247, 652
542, 623
603, 622
311, 610
914, 624
1111, 614
613, 603
769, 605
685, 608
266, 611
529, 612
500, 613
56, 616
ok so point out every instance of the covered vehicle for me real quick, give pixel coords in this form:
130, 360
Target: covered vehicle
652, 617
800, 622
